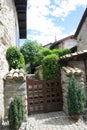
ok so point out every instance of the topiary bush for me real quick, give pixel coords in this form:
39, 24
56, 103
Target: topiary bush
75, 97
16, 113
50, 66
15, 58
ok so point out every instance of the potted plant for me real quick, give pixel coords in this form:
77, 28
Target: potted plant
75, 98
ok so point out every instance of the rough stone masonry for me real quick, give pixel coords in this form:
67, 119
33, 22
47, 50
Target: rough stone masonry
8, 23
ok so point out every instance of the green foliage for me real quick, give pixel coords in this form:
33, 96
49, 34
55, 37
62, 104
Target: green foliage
16, 113
45, 52
21, 62
75, 97
15, 58
12, 56
29, 51
50, 66
41, 54
61, 52
36, 74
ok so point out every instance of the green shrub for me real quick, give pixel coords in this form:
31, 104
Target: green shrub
61, 52
16, 114
15, 58
41, 54
21, 62
50, 66
75, 97
38, 59
45, 51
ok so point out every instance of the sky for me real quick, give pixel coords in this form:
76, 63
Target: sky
48, 20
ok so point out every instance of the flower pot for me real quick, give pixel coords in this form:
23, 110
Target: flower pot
75, 117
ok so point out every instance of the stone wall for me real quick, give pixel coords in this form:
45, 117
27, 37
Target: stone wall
82, 37
8, 21
79, 64
14, 88
66, 73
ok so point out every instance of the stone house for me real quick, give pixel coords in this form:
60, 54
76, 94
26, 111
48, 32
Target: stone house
76, 42
78, 59
12, 27
47, 45
81, 33
69, 42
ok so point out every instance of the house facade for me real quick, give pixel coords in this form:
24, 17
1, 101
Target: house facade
67, 42
11, 26
78, 59
78, 41
81, 33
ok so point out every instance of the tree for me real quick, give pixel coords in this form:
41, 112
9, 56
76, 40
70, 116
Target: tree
30, 50
75, 97
16, 113
41, 54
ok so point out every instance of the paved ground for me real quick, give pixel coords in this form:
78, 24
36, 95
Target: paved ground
50, 121
54, 121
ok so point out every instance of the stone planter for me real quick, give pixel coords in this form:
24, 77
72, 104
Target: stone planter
76, 117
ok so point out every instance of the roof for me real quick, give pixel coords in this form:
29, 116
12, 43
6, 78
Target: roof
80, 55
21, 7
81, 23
59, 41
47, 45
70, 70
15, 74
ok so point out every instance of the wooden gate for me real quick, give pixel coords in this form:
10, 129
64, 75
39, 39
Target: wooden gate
44, 96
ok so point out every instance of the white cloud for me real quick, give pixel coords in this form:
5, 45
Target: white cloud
63, 7
38, 3
38, 20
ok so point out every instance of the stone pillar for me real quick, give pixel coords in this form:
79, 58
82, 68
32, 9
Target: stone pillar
39, 70
66, 73
64, 83
11, 89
